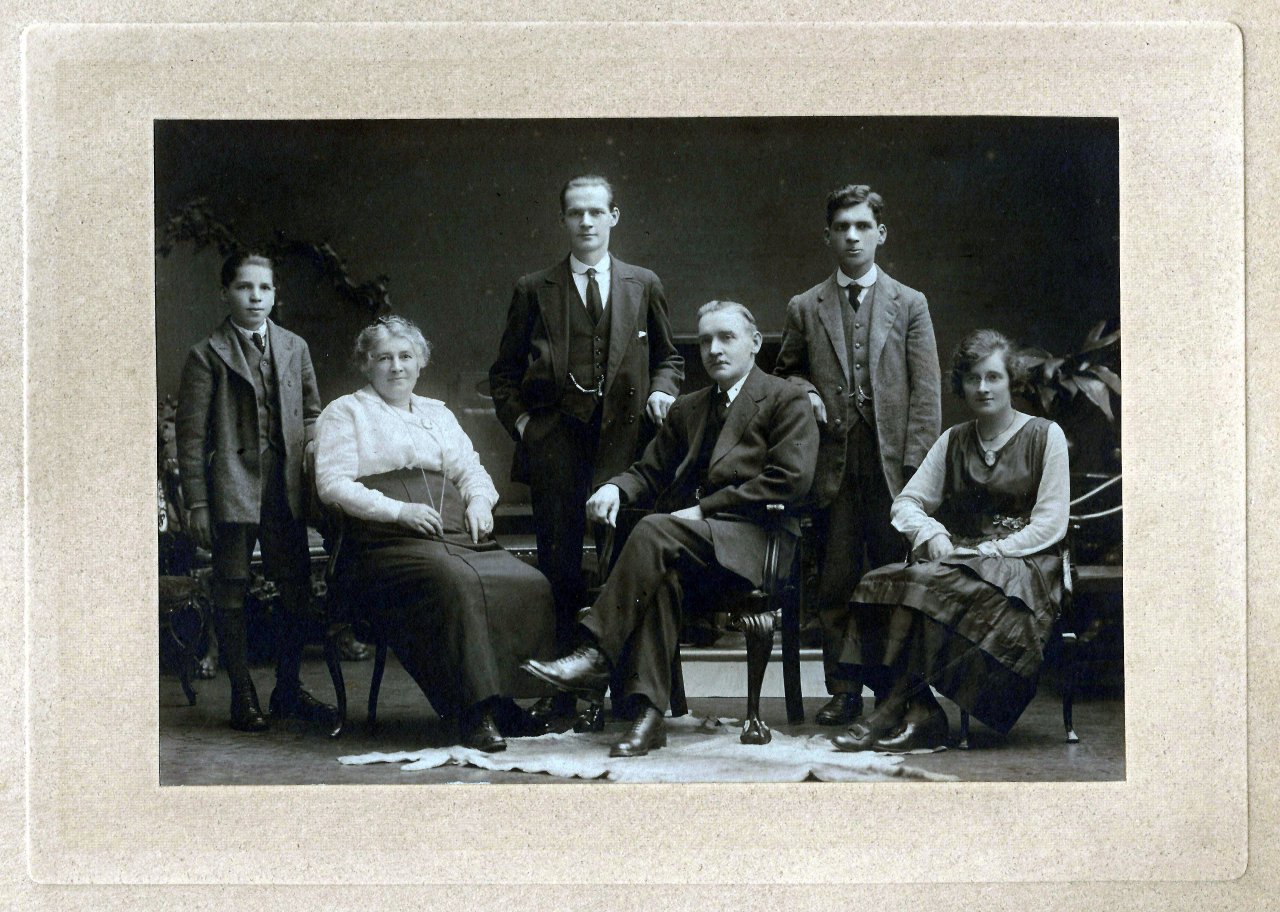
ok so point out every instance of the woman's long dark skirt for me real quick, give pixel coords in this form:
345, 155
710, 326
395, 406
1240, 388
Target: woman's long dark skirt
460, 621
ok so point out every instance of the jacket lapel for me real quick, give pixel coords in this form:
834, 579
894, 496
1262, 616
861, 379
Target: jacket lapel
698, 413
624, 309
283, 350
829, 315
554, 302
225, 344
884, 315
741, 412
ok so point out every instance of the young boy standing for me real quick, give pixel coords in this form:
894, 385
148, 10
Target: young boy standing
247, 407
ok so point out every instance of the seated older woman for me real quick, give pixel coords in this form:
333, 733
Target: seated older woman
459, 611
970, 613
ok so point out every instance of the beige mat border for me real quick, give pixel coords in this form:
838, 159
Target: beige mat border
96, 814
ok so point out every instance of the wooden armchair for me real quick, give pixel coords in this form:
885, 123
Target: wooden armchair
757, 612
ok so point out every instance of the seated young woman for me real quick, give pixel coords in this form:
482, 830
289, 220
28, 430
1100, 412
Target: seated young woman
971, 610
459, 612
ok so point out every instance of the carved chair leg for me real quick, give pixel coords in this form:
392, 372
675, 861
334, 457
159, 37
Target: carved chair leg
964, 730
759, 636
1070, 671
332, 658
379, 666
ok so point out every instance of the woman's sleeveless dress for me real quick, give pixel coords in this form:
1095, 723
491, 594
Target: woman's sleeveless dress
974, 627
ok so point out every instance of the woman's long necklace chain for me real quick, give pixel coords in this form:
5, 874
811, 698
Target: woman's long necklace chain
413, 444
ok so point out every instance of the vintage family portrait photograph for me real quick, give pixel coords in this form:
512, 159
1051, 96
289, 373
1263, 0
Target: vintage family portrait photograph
648, 450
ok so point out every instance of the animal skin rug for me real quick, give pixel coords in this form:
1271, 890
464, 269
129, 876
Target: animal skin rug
698, 750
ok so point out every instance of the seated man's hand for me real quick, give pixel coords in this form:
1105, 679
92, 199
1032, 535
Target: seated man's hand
421, 518
200, 527
694, 512
819, 408
658, 405
938, 547
479, 518
603, 505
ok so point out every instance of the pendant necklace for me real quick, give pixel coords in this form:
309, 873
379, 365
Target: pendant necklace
988, 453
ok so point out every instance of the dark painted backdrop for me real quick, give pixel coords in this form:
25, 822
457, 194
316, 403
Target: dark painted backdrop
1004, 222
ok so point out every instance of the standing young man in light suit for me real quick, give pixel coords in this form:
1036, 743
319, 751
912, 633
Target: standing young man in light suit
862, 346
586, 357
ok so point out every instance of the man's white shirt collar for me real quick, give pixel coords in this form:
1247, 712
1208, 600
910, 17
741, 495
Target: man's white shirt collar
248, 333
867, 279
580, 268
733, 391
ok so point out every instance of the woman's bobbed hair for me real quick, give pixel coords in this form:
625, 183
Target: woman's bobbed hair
980, 344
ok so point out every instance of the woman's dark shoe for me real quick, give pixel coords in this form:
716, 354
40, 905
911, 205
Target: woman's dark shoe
929, 734
295, 703
647, 733
482, 734
859, 737
516, 722
590, 719
246, 715
548, 711
841, 709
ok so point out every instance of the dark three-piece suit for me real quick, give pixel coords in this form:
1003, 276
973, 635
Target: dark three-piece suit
763, 451
574, 440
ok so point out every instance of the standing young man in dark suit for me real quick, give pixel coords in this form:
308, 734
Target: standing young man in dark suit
724, 453
861, 345
247, 408
587, 355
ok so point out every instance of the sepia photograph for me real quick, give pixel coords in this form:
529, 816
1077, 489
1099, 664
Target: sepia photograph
646, 450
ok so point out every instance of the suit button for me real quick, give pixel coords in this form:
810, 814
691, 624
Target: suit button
839, 389
632, 391
857, 345
631, 419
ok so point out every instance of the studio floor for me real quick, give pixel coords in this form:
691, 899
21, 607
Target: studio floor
198, 748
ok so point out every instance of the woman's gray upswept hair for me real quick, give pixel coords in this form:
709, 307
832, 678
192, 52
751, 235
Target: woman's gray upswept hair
399, 327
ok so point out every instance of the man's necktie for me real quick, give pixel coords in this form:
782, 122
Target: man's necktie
854, 289
722, 406
258, 341
594, 307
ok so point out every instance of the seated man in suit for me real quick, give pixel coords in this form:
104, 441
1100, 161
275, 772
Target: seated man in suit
722, 455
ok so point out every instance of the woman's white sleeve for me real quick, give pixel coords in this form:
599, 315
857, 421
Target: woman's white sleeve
462, 464
911, 513
338, 467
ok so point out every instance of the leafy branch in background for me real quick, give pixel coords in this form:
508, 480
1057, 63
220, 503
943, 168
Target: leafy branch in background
196, 223
1092, 371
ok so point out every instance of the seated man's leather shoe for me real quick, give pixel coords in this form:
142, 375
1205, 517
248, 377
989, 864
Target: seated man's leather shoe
481, 733
841, 709
585, 672
590, 719
859, 737
296, 703
647, 733
928, 734
246, 715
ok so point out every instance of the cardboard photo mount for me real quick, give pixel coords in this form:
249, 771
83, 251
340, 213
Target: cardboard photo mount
96, 813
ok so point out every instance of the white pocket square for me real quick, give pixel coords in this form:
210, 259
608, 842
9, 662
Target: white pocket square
641, 334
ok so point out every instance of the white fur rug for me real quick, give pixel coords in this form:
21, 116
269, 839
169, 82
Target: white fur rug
698, 750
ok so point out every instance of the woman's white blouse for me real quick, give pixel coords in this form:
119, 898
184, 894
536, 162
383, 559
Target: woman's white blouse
912, 510
360, 434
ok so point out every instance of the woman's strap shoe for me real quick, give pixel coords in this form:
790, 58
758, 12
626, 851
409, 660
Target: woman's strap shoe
929, 734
